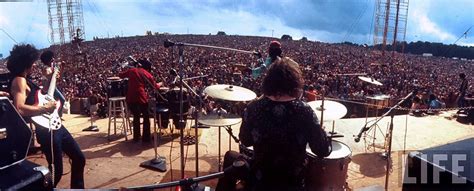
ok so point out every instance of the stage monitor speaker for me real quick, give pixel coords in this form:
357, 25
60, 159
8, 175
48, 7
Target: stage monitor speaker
424, 174
5, 82
15, 135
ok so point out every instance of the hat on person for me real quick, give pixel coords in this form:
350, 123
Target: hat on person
146, 64
275, 44
274, 49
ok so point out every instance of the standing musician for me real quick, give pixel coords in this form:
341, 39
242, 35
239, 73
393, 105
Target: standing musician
462, 90
278, 126
274, 52
20, 64
137, 97
47, 58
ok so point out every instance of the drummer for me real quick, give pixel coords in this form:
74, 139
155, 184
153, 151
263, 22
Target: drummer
278, 126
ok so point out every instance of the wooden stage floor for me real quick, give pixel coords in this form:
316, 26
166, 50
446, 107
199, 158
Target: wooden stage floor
115, 163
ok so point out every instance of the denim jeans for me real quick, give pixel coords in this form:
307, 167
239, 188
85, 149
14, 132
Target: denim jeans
62, 142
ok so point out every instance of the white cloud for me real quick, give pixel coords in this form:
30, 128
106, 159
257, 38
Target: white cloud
422, 26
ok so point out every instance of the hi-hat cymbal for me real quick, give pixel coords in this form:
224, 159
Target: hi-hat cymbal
230, 92
370, 80
216, 120
332, 110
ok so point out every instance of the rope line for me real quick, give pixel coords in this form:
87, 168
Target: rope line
398, 108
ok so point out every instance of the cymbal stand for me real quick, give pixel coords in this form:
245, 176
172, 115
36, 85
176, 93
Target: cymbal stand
322, 107
181, 124
196, 116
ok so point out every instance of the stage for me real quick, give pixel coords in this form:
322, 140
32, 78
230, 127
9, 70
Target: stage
115, 163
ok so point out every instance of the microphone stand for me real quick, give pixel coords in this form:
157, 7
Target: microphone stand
181, 123
238, 168
196, 116
366, 127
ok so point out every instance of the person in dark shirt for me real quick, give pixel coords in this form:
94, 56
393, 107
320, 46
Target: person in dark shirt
462, 90
20, 64
137, 97
278, 126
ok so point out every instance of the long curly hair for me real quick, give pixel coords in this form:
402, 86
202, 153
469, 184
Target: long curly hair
21, 58
283, 78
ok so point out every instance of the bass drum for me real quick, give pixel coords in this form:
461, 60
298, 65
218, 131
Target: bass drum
329, 173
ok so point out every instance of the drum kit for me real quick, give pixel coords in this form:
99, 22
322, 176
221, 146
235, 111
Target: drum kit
334, 166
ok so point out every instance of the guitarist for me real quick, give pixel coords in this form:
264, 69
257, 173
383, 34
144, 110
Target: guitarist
137, 98
20, 64
47, 58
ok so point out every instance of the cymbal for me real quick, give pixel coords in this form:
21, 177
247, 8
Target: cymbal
332, 110
114, 78
216, 120
370, 80
230, 92
379, 97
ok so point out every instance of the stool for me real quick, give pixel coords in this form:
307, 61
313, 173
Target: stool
161, 112
118, 109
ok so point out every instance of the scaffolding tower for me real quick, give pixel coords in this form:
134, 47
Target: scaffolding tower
63, 12
390, 22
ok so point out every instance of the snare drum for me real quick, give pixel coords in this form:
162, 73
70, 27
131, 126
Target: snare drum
329, 173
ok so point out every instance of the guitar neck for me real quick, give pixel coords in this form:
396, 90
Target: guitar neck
52, 84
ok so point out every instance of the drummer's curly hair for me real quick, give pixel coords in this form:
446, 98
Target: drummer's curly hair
283, 78
21, 57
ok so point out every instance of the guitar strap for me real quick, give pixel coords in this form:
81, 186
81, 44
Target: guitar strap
144, 78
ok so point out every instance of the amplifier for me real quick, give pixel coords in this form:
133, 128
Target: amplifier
15, 135
25, 175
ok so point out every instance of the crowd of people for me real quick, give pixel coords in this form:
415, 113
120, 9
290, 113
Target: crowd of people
325, 66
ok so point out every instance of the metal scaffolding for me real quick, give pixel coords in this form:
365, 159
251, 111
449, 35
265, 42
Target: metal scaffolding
69, 12
390, 22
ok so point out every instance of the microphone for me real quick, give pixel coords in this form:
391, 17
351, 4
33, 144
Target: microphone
173, 72
132, 59
257, 53
167, 43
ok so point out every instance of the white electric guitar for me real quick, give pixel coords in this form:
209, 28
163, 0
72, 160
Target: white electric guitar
52, 120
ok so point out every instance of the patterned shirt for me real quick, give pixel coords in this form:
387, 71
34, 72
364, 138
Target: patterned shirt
279, 133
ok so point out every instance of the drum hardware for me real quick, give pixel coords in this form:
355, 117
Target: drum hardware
181, 45
333, 110
373, 127
189, 140
221, 120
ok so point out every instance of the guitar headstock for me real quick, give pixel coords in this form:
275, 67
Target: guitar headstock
56, 67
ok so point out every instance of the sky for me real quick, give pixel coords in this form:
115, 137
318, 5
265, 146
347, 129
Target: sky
319, 20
